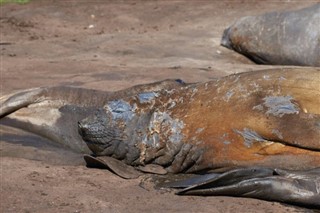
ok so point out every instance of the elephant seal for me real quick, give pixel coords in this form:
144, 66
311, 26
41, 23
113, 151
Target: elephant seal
279, 38
268, 119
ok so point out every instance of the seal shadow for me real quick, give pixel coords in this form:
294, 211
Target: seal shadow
20, 144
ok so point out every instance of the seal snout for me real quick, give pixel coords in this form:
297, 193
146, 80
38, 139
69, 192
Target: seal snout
93, 133
91, 129
225, 41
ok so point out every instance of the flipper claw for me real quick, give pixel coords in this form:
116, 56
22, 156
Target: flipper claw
114, 165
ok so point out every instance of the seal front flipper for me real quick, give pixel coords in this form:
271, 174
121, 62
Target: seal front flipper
121, 169
153, 169
112, 164
294, 187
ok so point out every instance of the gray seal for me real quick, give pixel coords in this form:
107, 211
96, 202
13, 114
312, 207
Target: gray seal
278, 38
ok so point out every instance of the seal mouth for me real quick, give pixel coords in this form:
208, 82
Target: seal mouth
97, 134
106, 137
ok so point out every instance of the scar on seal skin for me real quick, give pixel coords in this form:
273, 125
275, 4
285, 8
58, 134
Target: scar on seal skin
284, 38
265, 119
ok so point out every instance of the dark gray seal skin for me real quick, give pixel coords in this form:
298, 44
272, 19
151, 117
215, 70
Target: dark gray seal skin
278, 38
53, 112
293, 187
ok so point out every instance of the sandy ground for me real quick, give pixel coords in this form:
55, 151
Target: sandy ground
110, 45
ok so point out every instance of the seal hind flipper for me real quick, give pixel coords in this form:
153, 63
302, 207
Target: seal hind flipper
295, 187
51, 112
52, 96
13, 102
119, 168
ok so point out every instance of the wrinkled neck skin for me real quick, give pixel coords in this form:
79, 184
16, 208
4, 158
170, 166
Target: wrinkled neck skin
140, 130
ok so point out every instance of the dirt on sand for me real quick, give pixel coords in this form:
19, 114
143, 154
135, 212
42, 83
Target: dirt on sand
111, 45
